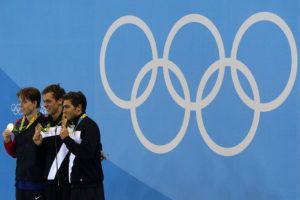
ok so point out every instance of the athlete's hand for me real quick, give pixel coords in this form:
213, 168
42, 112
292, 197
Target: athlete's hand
7, 136
64, 130
37, 137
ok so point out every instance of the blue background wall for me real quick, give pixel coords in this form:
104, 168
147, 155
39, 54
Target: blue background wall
44, 42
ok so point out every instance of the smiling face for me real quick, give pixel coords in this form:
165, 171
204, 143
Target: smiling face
51, 104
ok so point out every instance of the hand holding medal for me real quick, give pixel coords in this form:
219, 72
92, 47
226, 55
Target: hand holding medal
7, 133
64, 130
10, 127
37, 137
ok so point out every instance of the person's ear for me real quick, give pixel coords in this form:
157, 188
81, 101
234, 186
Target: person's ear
35, 103
79, 108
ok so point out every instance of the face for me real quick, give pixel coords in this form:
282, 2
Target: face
27, 106
51, 104
70, 111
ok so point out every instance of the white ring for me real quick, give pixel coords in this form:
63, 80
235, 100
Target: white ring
266, 16
118, 23
194, 18
173, 143
227, 151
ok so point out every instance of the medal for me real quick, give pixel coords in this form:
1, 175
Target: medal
10, 127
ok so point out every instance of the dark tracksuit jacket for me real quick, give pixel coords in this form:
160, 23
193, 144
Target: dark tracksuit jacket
30, 158
86, 168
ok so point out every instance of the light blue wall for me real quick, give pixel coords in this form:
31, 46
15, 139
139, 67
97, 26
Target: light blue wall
43, 42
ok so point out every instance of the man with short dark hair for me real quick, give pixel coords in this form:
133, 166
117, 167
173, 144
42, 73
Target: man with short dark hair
56, 153
83, 141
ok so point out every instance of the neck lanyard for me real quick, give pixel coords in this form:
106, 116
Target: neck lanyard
59, 123
80, 120
30, 123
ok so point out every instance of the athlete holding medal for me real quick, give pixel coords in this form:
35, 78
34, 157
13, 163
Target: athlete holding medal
83, 141
29, 157
56, 153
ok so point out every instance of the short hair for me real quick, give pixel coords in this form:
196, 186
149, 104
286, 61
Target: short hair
76, 98
30, 93
58, 92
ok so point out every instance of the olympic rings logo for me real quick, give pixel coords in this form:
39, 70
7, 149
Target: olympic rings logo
16, 109
255, 104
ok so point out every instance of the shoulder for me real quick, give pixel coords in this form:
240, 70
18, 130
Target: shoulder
42, 119
88, 123
91, 121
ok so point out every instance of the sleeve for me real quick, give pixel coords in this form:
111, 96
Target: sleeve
11, 148
89, 139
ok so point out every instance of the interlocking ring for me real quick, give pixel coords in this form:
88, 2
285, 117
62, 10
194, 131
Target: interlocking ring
255, 104
16, 109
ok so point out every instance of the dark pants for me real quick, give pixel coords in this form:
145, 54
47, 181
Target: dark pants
55, 192
90, 193
29, 194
